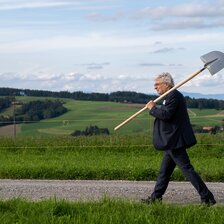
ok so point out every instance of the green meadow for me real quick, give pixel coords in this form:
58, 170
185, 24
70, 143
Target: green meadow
105, 115
124, 157
45, 149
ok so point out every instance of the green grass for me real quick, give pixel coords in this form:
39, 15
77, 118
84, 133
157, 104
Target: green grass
105, 115
102, 157
85, 113
106, 212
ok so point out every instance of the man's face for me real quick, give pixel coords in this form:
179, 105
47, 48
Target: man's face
161, 87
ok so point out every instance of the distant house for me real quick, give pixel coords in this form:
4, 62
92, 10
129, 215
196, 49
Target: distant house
209, 129
22, 93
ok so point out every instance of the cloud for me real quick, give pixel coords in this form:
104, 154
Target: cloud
97, 17
166, 50
157, 42
93, 82
159, 65
205, 83
207, 80
34, 76
182, 10
186, 23
76, 4
184, 16
151, 64
73, 82
24, 4
221, 2
178, 65
163, 50
59, 42
96, 66
101, 41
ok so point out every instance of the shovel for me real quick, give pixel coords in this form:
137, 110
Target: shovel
213, 61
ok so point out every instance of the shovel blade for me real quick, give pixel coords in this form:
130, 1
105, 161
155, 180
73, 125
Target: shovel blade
214, 61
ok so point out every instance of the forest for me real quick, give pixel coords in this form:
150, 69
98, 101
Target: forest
119, 96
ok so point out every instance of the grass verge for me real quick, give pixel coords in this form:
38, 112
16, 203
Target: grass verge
127, 157
106, 211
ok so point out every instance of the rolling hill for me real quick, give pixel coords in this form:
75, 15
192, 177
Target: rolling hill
105, 115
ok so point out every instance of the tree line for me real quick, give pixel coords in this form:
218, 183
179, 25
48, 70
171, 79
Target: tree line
119, 96
32, 111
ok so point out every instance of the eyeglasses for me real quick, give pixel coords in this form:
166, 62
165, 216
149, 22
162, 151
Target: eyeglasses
158, 83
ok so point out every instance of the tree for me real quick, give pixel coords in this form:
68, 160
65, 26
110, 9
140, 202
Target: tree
91, 130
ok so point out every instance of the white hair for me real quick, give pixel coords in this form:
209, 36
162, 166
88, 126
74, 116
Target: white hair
165, 77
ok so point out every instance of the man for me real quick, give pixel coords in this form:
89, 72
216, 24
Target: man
173, 133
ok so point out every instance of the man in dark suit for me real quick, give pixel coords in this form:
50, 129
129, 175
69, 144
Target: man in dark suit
173, 133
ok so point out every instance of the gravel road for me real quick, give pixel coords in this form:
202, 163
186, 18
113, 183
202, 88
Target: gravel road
35, 190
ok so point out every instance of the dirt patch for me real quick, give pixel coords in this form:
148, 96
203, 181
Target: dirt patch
9, 130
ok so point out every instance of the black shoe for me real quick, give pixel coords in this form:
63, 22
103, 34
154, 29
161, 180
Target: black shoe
209, 201
150, 200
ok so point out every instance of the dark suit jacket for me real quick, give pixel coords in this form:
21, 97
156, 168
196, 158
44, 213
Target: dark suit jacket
172, 128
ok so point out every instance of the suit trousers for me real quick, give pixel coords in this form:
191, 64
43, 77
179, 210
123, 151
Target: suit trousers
180, 158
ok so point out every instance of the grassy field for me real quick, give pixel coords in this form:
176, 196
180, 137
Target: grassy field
44, 150
106, 212
102, 157
105, 115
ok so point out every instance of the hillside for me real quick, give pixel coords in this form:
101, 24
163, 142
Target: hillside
105, 115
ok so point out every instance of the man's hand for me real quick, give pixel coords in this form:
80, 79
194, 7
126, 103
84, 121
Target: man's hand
150, 104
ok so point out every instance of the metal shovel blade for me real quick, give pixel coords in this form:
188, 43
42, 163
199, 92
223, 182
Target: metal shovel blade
214, 61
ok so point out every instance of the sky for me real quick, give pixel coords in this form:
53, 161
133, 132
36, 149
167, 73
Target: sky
108, 45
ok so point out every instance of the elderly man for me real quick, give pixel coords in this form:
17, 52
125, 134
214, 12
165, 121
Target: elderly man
173, 133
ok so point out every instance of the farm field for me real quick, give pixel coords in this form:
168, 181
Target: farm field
105, 115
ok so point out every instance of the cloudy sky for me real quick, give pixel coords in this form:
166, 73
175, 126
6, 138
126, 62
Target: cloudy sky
108, 45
